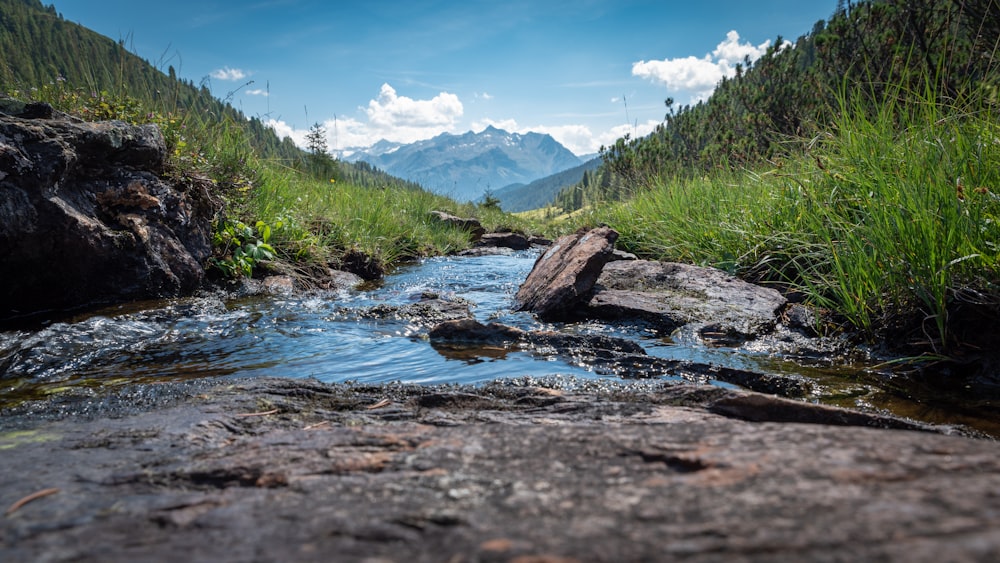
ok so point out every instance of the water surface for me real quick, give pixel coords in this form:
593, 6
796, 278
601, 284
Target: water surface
328, 337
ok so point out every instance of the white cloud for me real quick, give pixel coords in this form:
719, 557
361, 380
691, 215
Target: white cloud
390, 116
258, 92
484, 96
579, 139
699, 76
228, 74
391, 111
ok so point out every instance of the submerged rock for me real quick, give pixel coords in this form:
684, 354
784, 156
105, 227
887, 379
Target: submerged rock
606, 355
87, 216
564, 275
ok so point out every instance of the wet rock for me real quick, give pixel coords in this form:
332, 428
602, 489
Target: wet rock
607, 355
513, 241
86, 215
669, 295
279, 285
485, 251
362, 264
473, 226
430, 309
285, 470
564, 275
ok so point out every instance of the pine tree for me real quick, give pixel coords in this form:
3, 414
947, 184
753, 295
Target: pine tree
316, 141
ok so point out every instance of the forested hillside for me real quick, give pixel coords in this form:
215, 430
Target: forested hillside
38, 49
777, 104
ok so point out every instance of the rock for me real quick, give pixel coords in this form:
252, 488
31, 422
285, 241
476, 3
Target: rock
564, 275
87, 217
485, 251
474, 227
670, 295
514, 241
362, 264
539, 241
279, 285
619, 255
430, 309
296, 470
606, 355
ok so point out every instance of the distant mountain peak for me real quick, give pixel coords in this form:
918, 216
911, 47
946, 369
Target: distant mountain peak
464, 166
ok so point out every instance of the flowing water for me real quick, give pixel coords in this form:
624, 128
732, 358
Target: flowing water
330, 337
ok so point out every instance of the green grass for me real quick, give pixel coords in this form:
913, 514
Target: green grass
308, 220
889, 219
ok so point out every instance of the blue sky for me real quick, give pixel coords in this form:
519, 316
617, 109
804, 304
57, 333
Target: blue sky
585, 72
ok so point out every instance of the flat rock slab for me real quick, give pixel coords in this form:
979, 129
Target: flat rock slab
283, 470
670, 295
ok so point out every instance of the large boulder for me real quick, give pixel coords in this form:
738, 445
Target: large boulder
563, 277
86, 215
670, 295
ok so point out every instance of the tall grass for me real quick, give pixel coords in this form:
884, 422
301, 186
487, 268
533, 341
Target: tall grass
308, 219
889, 218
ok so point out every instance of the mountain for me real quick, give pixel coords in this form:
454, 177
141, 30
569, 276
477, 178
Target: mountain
541, 192
468, 165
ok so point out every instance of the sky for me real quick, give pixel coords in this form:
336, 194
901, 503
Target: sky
585, 72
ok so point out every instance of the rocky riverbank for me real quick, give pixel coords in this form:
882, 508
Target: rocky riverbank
280, 470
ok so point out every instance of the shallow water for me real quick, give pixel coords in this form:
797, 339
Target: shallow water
329, 338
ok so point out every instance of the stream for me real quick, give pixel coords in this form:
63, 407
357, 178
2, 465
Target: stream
331, 338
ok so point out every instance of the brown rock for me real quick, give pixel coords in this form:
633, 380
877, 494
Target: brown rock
295, 470
565, 274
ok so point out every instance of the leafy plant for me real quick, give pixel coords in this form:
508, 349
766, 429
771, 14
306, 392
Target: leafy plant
244, 247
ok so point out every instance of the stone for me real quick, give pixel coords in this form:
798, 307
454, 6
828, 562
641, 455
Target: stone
605, 355
563, 276
514, 241
472, 225
87, 215
670, 295
296, 470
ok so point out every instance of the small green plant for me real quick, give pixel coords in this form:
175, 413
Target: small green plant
246, 247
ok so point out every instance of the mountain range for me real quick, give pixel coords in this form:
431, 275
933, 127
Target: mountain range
469, 165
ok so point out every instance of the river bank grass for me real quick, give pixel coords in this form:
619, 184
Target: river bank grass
278, 208
889, 218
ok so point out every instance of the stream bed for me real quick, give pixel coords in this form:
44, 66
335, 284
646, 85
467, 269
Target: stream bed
331, 337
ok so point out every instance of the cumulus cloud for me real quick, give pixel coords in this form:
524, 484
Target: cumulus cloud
699, 76
579, 139
392, 111
228, 74
389, 116
258, 92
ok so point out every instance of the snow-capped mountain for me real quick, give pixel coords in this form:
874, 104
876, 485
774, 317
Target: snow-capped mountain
466, 166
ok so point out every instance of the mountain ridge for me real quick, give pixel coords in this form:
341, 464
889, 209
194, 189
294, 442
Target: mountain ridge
467, 165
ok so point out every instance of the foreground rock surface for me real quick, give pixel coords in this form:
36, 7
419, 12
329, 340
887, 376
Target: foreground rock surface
281, 470
86, 216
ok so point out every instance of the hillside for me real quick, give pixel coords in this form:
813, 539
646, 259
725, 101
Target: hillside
468, 165
524, 197
776, 105
44, 55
